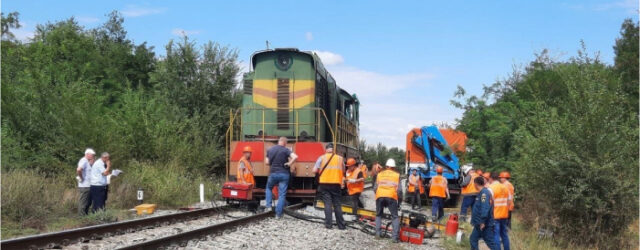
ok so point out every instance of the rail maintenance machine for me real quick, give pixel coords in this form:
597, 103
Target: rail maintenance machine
427, 147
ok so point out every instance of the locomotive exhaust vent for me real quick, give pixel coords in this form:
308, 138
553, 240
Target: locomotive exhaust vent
283, 103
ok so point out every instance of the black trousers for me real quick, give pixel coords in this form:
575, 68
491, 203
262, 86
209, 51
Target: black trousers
356, 203
331, 196
98, 197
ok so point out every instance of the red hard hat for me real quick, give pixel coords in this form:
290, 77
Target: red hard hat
351, 162
247, 149
439, 170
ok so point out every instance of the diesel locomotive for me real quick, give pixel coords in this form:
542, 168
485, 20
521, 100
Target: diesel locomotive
290, 93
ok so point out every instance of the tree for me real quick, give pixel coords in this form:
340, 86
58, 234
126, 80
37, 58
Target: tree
11, 21
626, 60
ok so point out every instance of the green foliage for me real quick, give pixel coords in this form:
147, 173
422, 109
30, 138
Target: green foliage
569, 136
11, 21
380, 153
71, 88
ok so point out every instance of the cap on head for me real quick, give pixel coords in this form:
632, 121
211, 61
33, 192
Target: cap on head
486, 175
329, 146
89, 151
504, 174
351, 162
247, 149
479, 171
391, 163
439, 170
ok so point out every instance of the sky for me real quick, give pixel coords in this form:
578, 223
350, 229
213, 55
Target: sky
403, 59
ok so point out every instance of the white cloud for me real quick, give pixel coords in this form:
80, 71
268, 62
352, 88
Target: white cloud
308, 36
137, 11
182, 32
329, 58
24, 33
87, 19
374, 84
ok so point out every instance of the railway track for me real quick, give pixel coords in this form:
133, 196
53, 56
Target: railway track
85, 234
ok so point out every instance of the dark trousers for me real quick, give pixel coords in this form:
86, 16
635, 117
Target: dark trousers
392, 205
437, 207
467, 202
486, 234
84, 201
331, 196
500, 233
415, 199
98, 196
356, 203
509, 220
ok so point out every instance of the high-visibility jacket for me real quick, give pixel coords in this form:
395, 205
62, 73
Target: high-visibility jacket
387, 182
501, 200
512, 194
354, 188
364, 171
470, 189
333, 173
244, 175
438, 187
414, 181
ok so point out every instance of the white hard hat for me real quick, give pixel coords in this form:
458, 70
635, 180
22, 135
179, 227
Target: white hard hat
89, 151
465, 169
391, 163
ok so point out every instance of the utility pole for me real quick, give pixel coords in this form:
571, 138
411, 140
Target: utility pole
267, 44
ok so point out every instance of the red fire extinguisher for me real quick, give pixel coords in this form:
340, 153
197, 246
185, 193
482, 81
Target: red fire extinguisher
452, 225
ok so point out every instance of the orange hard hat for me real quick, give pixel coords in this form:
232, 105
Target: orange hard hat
351, 162
486, 175
504, 174
247, 149
479, 171
439, 170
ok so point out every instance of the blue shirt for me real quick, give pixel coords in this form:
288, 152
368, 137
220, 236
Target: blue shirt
482, 211
97, 179
278, 156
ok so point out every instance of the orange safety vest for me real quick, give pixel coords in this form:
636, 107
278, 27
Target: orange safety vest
470, 189
245, 175
438, 187
500, 200
388, 182
413, 182
512, 193
333, 172
364, 171
354, 188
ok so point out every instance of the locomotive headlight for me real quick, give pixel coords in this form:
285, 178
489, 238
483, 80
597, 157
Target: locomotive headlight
283, 62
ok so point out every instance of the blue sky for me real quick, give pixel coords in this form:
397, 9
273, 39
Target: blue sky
403, 59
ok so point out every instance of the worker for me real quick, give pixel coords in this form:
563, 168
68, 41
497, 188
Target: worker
482, 216
501, 201
280, 160
504, 179
469, 192
438, 191
84, 185
245, 170
99, 171
388, 194
376, 168
355, 184
415, 189
487, 178
479, 172
364, 169
330, 169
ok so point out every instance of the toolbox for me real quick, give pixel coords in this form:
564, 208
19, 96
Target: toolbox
411, 235
237, 191
145, 209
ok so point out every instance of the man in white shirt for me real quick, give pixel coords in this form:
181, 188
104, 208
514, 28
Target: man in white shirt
99, 172
84, 171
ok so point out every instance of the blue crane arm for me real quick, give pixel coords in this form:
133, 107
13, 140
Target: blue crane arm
433, 144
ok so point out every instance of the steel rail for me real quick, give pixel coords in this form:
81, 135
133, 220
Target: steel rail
182, 239
64, 238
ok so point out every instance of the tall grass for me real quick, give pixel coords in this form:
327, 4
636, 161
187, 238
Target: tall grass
33, 203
